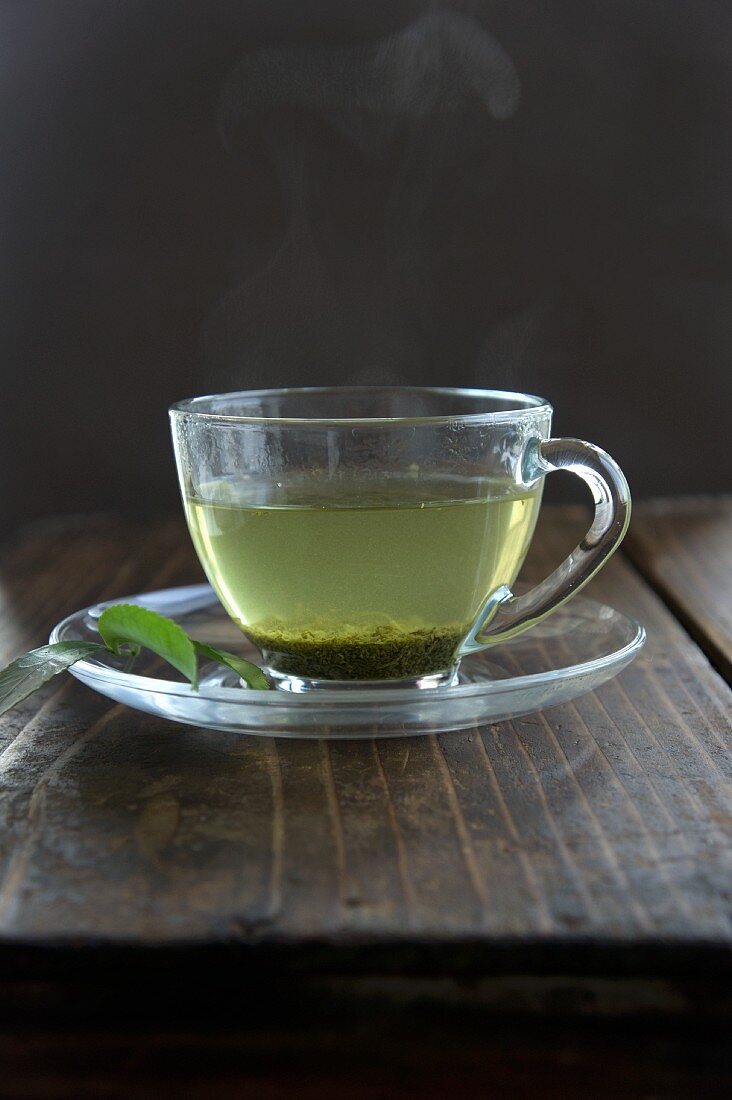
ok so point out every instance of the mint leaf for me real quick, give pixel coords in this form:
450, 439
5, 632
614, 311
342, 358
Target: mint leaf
252, 676
29, 672
124, 625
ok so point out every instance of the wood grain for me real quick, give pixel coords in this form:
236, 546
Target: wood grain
683, 548
604, 822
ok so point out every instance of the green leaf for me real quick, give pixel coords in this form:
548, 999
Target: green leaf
29, 672
124, 628
125, 624
252, 676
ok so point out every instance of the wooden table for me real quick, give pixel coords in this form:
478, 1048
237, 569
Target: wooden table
539, 907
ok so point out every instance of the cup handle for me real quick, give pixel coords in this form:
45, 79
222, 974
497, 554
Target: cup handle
504, 615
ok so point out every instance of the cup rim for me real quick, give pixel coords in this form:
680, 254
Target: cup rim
532, 406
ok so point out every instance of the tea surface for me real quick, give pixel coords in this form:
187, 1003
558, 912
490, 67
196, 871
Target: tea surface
359, 582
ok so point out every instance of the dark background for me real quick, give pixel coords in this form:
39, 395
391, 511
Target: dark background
206, 196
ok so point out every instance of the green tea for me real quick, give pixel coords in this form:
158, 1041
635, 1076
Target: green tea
358, 584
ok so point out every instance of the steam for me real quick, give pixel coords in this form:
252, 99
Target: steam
438, 63
511, 345
395, 100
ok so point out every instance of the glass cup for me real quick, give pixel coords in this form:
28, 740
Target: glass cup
363, 534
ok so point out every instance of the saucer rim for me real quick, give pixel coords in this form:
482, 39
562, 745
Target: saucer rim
88, 670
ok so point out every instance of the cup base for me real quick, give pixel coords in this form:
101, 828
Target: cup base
300, 685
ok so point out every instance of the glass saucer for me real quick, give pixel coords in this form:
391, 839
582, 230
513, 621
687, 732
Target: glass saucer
578, 648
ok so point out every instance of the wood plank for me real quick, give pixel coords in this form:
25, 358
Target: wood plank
556, 1060
683, 548
601, 824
